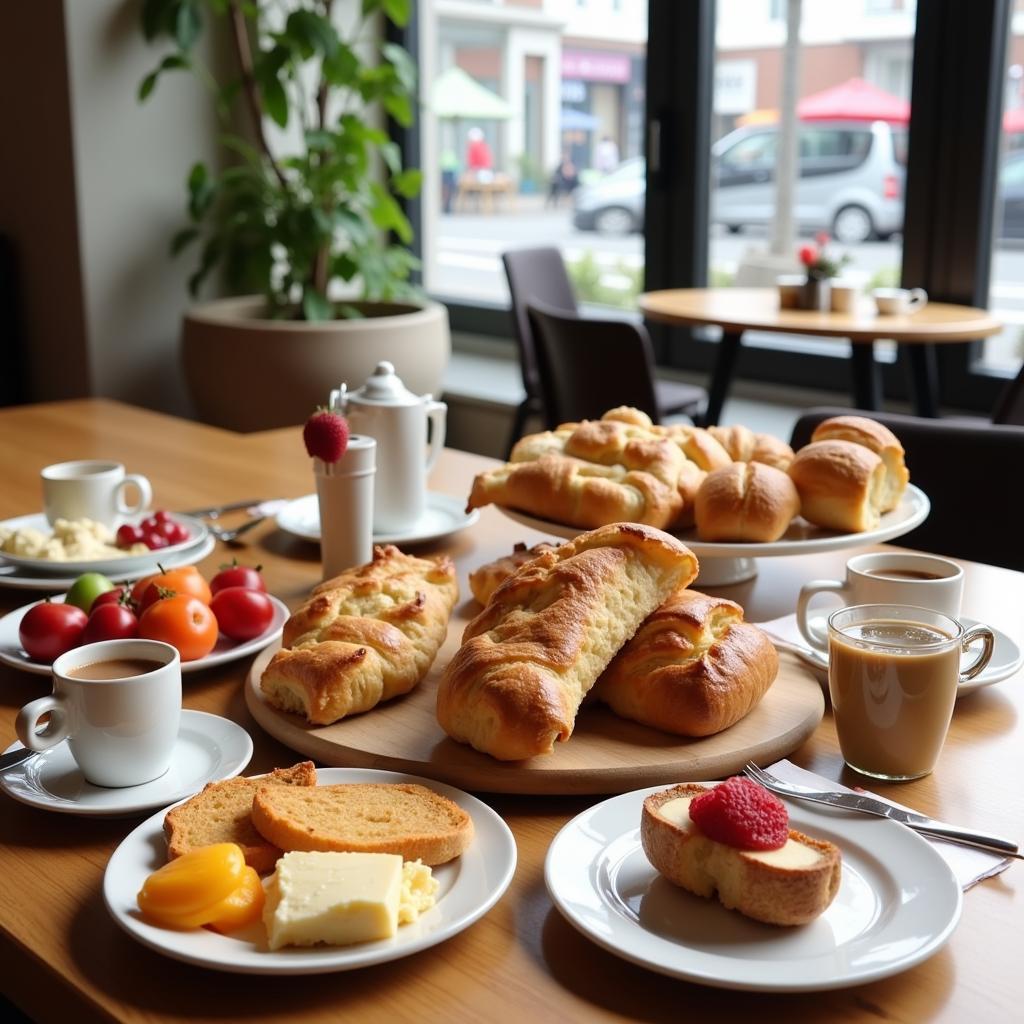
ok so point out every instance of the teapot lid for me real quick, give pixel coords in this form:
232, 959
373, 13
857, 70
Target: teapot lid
386, 387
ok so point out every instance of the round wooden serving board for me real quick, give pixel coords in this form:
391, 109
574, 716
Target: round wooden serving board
606, 754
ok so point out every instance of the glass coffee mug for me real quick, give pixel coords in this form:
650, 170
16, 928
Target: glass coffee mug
893, 672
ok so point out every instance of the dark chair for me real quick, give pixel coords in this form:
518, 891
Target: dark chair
590, 366
539, 276
970, 472
1010, 407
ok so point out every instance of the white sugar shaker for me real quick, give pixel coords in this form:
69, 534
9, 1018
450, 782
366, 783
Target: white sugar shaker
345, 493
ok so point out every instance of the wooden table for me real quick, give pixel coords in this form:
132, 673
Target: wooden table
484, 194
63, 959
737, 310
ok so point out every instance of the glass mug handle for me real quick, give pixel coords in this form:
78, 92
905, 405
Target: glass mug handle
816, 638
979, 663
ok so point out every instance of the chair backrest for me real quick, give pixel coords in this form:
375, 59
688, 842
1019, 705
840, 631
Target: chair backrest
590, 366
535, 275
969, 472
1010, 407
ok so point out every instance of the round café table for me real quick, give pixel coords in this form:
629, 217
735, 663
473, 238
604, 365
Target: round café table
736, 310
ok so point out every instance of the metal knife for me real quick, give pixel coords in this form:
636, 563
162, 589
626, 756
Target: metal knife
15, 757
215, 510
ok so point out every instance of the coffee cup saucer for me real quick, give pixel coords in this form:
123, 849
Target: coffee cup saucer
1007, 657
443, 514
209, 748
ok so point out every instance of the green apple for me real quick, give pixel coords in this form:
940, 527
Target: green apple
86, 589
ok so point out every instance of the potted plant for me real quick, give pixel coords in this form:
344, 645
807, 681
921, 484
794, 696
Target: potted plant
820, 267
310, 233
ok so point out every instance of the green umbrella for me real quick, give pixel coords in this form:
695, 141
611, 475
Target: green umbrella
456, 95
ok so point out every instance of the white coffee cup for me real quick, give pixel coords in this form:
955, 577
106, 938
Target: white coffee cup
121, 731
91, 489
899, 301
884, 577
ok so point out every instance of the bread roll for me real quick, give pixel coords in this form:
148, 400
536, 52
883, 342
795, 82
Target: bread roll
743, 445
693, 668
746, 501
485, 579
530, 657
840, 485
365, 636
882, 441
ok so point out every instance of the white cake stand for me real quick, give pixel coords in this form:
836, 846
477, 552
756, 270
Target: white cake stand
724, 564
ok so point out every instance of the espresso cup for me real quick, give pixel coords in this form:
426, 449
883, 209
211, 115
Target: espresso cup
899, 301
92, 489
886, 577
893, 673
118, 704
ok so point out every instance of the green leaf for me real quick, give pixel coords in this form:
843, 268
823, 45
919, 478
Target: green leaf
403, 64
158, 16
275, 101
315, 305
188, 25
369, 6
397, 10
400, 108
391, 154
313, 33
148, 85
341, 68
387, 214
407, 183
182, 239
201, 190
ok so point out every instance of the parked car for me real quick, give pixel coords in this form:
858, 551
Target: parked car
851, 179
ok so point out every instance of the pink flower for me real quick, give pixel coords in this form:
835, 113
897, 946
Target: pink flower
822, 238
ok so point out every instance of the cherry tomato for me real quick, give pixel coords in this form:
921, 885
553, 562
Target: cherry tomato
235, 575
182, 621
184, 580
242, 614
48, 630
161, 515
127, 535
110, 622
119, 595
140, 587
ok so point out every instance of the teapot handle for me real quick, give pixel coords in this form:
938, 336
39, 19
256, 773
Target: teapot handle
436, 415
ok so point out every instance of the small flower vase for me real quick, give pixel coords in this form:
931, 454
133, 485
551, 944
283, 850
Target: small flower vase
815, 294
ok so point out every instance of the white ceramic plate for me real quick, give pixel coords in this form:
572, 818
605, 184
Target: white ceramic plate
1006, 658
469, 886
29, 579
443, 515
209, 748
800, 539
897, 904
109, 566
11, 652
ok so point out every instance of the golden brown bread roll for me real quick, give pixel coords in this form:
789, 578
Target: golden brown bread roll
746, 501
743, 445
364, 636
693, 668
882, 441
840, 485
530, 657
485, 579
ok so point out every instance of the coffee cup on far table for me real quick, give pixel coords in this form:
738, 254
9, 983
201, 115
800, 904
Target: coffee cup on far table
843, 297
789, 286
91, 489
886, 577
893, 673
118, 704
899, 301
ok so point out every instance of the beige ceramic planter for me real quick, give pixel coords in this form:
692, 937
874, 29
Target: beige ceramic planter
246, 373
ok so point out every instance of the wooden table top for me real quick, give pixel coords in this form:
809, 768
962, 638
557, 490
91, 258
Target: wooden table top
743, 309
64, 959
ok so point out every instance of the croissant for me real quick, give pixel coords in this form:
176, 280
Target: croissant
485, 579
365, 636
529, 658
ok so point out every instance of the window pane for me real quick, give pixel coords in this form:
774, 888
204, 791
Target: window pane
853, 108
539, 142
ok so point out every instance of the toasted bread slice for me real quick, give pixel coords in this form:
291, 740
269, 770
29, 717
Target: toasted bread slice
220, 813
786, 887
371, 817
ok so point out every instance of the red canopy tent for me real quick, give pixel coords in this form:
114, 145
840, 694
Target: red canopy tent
854, 100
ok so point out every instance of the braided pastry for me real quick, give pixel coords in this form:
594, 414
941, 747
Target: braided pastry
529, 658
365, 636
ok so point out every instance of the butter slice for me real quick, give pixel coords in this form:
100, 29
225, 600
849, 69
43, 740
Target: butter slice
335, 898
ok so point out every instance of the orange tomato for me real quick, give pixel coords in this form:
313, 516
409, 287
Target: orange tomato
182, 621
186, 579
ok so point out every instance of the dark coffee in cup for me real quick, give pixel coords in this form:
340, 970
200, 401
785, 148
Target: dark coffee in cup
903, 574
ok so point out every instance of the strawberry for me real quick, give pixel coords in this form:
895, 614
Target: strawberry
326, 435
740, 813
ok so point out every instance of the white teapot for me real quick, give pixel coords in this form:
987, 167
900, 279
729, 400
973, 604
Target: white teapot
384, 409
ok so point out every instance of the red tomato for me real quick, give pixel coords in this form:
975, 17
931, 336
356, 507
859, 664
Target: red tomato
119, 595
235, 575
140, 587
110, 622
182, 621
48, 630
242, 614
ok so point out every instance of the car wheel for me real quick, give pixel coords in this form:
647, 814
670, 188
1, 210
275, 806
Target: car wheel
615, 220
852, 224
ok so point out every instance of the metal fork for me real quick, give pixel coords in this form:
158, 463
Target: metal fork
870, 805
228, 536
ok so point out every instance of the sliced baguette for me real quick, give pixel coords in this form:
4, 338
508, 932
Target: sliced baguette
745, 880
401, 818
221, 813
